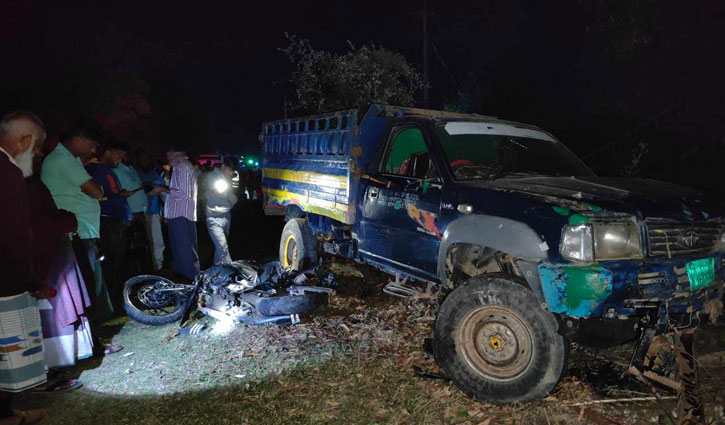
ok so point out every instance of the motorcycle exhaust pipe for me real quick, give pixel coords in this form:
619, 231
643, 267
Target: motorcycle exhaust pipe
291, 319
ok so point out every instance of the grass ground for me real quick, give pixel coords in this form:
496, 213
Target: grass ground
350, 363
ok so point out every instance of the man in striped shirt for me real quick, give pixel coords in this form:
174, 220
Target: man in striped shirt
180, 211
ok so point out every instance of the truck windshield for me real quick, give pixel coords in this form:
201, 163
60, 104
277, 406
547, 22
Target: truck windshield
479, 150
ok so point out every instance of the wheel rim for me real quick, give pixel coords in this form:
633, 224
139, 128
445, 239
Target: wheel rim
141, 297
495, 342
290, 251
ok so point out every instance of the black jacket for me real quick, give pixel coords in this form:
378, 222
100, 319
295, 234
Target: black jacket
16, 236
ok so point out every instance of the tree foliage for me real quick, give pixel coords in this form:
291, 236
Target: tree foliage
326, 81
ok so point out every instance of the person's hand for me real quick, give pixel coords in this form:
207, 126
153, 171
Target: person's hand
44, 293
158, 189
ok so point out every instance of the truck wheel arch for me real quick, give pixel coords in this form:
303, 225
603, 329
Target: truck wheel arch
514, 238
293, 211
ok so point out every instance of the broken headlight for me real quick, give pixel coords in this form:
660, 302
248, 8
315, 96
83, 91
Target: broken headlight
596, 241
577, 243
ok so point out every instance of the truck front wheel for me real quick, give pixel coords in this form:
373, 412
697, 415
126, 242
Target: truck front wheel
297, 247
496, 342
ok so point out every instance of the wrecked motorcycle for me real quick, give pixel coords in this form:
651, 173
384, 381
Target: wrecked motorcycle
238, 291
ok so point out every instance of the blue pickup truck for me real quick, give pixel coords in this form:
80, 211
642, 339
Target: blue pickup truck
534, 249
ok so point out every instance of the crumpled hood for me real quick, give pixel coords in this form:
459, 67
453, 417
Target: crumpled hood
642, 197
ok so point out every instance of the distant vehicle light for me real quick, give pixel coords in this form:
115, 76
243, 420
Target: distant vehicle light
250, 161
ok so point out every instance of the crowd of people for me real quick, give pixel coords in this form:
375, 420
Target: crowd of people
80, 218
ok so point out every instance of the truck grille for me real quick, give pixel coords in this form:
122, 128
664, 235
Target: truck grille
668, 238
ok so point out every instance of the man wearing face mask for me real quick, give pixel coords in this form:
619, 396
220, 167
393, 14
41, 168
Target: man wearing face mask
22, 364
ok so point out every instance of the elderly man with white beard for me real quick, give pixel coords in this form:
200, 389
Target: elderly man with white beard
22, 364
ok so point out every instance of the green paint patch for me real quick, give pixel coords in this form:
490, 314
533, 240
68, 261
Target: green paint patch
576, 291
593, 207
577, 219
561, 210
426, 185
585, 284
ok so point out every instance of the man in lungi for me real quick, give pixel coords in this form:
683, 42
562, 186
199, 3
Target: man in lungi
22, 364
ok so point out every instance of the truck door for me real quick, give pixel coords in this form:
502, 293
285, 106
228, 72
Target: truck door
402, 204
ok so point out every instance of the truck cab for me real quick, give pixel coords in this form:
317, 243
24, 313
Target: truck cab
535, 249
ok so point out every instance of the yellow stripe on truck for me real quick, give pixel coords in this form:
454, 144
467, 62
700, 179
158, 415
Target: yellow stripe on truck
326, 180
308, 203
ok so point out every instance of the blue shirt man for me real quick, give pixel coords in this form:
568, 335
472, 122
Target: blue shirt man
155, 187
152, 178
113, 204
131, 181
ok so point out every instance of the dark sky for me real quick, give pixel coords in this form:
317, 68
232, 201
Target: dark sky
597, 74
224, 59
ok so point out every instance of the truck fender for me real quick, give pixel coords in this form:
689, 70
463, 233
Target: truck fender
501, 234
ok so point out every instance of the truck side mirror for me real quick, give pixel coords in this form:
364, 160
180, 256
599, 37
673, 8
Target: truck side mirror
420, 165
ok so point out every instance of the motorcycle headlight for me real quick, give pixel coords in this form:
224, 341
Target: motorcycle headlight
601, 241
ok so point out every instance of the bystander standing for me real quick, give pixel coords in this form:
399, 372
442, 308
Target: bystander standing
66, 329
136, 241
220, 199
154, 185
180, 211
23, 365
74, 190
115, 216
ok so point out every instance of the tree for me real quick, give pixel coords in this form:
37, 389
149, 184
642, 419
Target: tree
325, 81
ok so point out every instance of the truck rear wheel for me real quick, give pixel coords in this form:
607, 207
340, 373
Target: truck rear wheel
496, 343
297, 247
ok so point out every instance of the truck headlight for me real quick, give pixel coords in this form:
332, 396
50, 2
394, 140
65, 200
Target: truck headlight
601, 241
577, 243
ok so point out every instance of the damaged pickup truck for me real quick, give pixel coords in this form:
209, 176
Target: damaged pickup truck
536, 250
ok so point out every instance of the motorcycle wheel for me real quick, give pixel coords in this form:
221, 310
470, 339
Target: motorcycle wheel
144, 304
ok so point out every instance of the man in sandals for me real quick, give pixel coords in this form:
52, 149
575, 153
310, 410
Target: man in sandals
22, 365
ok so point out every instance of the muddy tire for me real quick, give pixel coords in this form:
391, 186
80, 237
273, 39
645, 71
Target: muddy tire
297, 246
496, 342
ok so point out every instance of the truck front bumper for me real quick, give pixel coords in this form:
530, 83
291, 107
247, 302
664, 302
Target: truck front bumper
655, 286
